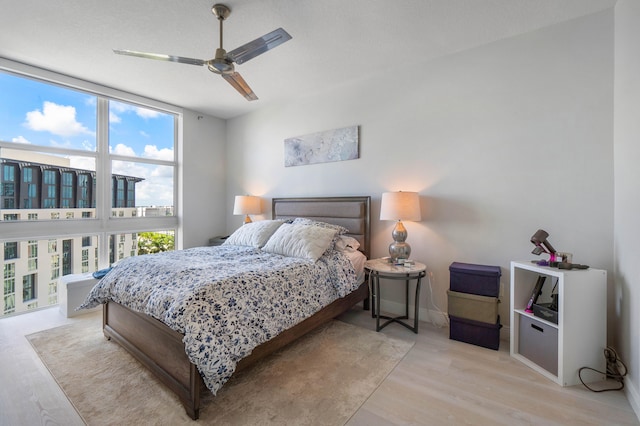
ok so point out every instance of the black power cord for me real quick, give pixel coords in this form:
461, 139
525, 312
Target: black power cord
613, 370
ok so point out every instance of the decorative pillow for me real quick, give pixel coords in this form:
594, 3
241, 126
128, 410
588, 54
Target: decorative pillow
346, 243
304, 221
254, 234
303, 241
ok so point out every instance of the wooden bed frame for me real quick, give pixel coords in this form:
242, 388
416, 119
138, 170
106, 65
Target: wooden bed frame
160, 348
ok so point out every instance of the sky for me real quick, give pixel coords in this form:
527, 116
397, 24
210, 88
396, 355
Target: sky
42, 114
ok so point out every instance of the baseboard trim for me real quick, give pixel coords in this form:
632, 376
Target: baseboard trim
631, 392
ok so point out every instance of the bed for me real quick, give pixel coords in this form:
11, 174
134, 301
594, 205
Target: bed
163, 350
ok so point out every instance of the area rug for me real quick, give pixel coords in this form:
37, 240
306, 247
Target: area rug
321, 379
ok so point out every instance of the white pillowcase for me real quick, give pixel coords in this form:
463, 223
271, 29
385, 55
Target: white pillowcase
254, 234
303, 241
306, 221
346, 243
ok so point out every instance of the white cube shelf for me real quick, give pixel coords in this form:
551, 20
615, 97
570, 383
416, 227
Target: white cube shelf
557, 351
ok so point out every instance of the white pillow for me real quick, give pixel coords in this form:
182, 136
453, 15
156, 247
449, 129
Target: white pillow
346, 243
303, 241
306, 221
254, 234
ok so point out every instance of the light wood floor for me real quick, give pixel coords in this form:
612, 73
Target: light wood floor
439, 382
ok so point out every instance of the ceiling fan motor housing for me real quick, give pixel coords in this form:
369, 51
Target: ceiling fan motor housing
220, 64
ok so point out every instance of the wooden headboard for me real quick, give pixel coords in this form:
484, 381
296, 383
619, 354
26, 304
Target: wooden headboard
352, 213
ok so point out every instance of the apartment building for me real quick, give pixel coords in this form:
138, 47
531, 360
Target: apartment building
36, 187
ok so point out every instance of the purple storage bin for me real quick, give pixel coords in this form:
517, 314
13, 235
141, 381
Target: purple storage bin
475, 332
483, 280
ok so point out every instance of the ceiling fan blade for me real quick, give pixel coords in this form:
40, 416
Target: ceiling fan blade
236, 80
160, 57
258, 46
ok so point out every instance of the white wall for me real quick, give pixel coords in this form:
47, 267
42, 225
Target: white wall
627, 199
203, 160
499, 141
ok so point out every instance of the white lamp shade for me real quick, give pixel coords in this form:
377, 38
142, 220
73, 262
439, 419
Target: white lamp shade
400, 206
246, 204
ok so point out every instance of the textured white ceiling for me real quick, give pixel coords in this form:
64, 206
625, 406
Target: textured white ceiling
334, 41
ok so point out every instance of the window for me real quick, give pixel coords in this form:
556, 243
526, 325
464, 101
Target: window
29, 287
10, 250
87, 158
85, 191
9, 304
67, 193
53, 293
9, 294
85, 260
32, 251
143, 172
55, 266
29, 190
67, 256
8, 185
50, 189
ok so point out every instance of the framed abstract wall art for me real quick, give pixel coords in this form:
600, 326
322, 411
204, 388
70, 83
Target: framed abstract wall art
322, 147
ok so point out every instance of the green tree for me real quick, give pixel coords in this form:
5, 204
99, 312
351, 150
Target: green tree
155, 242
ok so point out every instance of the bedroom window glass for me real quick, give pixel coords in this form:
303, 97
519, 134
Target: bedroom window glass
82, 160
142, 146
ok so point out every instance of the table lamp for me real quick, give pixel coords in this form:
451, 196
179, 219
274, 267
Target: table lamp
246, 205
400, 206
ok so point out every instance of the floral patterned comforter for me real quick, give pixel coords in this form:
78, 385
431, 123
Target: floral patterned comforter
226, 300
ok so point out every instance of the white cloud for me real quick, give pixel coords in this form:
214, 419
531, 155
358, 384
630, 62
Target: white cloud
157, 187
154, 192
119, 107
88, 145
57, 119
147, 113
122, 149
114, 118
152, 151
64, 144
144, 134
84, 163
20, 139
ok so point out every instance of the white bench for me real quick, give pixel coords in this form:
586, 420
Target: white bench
72, 291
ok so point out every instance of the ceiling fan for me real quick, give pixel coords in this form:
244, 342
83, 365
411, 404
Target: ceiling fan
223, 61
